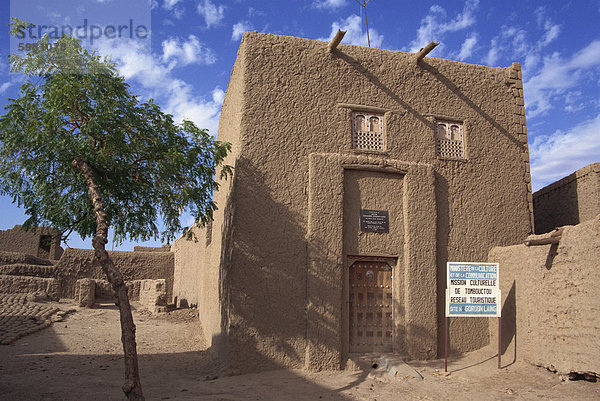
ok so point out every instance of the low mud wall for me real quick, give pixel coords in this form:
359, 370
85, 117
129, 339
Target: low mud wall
76, 264
149, 294
551, 301
30, 285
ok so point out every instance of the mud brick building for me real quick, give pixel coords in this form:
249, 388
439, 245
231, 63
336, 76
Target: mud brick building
568, 201
358, 174
44, 242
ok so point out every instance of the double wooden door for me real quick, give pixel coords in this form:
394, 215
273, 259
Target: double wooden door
371, 307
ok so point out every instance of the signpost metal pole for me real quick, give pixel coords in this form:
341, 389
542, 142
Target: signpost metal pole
499, 341
446, 346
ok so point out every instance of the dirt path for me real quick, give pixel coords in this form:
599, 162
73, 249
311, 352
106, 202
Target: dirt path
80, 358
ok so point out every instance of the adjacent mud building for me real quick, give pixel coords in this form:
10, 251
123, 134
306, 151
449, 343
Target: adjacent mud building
358, 174
568, 201
43, 242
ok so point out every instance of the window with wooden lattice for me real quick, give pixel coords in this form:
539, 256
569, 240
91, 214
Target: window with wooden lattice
367, 131
449, 139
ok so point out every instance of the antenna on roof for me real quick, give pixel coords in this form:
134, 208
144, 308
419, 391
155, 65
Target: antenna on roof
364, 4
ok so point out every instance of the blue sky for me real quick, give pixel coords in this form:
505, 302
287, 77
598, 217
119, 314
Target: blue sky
186, 62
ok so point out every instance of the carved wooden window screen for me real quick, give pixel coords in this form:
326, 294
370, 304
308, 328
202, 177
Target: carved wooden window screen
371, 307
449, 139
367, 131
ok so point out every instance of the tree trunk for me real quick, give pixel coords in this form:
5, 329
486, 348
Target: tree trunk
132, 387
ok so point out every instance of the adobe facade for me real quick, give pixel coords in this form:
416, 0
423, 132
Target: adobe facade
358, 174
568, 201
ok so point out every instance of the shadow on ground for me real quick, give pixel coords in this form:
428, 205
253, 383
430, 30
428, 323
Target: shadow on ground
82, 360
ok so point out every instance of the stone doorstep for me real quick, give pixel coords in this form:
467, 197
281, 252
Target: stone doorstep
394, 365
389, 364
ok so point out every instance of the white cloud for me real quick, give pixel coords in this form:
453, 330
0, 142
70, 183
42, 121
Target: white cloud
176, 52
329, 4
588, 57
513, 42
355, 34
551, 33
551, 30
560, 154
184, 105
4, 87
188, 219
11, 80
532, 59
155, 79
467, 47
493, 53
218, 95
169, 4
557, 76
239, 29
176, 9
212, 13
436, 24
573, 101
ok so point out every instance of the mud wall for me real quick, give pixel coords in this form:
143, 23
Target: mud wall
209, 260
189, 259
12, 258
551, 301
164, 248
43, 242
571, 200
76, 264
28, 285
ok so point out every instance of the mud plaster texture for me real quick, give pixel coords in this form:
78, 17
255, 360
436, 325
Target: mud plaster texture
24, 285
571, 200
76, 264
270, 274
551, 301
20, 264
30, 242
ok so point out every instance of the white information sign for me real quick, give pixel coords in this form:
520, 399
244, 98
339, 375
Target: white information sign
473, 290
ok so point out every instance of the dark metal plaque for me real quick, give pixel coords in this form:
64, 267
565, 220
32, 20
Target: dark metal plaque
374, 221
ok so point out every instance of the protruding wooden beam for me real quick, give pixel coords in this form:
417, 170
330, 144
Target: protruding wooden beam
542, 241
553, 239
425, 51
336, 40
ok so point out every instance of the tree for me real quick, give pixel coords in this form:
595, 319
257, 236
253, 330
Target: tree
80, 153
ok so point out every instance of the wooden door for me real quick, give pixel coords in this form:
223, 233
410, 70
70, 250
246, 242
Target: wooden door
371, 307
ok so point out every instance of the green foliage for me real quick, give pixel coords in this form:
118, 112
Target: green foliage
75, 105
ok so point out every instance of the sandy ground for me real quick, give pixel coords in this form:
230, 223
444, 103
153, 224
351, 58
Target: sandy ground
80, 358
